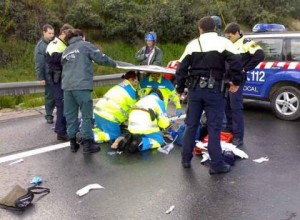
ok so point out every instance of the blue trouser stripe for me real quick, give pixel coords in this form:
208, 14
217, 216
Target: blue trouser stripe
146, 138
111, 128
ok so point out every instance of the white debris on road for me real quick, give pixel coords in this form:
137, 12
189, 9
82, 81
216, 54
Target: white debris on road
170, 209
261, 160
87, 188
15, 162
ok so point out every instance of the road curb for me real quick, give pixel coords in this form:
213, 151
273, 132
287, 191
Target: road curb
8, 114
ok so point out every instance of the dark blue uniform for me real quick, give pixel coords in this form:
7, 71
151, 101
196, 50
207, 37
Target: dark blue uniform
252, 55
54, 52
204, 63
42, 71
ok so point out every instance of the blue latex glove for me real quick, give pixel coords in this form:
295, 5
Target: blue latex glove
178, 112
36, 180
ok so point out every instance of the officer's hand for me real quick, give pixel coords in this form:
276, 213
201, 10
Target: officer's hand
233, 88
178, 112
43, 82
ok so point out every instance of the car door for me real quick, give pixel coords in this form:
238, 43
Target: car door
259, 79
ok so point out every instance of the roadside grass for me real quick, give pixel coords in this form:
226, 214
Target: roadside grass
17, 65
35, 100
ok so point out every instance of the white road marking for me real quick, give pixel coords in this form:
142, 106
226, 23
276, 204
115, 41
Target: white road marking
33, 152
50, 148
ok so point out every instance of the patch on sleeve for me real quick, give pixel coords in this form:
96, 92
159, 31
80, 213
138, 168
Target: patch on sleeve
253, 44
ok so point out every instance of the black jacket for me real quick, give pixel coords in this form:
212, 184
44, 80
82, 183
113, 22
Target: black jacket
206, 54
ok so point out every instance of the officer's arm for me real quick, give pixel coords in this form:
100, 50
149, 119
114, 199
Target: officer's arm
235, 63
182, 70
256, 58
140, 55
39, 59
98, 57
158, 57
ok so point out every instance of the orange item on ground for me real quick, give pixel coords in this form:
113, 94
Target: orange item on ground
224, 136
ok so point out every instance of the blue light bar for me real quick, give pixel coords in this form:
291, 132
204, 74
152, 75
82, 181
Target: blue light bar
268, 27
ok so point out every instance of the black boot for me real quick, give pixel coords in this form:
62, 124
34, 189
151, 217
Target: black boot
74, 146
89, 146
62, 137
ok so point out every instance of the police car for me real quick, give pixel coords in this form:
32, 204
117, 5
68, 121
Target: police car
277, 78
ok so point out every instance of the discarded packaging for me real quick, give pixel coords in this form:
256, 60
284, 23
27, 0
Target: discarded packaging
87, 188
170, 209
261, 160
15, 162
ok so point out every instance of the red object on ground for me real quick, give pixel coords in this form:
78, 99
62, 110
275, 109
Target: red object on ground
224, 136
198, 151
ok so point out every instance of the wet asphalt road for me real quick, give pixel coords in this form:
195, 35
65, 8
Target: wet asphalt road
145, 185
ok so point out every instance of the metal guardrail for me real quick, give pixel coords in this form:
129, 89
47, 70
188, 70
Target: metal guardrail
22, 88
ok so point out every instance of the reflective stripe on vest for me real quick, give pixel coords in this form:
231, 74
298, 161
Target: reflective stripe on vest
116, 105
106, 115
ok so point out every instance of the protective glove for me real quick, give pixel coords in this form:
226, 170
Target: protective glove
178, 112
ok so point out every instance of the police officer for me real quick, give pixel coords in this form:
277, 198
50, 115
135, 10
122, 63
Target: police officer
157, 81
150, 54
42, 70
77, 83
252, 55
113, 108
218, 23
145, 121
54, 52
203, 61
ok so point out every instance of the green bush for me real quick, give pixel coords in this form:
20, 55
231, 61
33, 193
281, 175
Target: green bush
33, 100
19, 62
7, 102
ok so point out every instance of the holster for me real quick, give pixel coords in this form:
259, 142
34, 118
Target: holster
193, 81
225, 87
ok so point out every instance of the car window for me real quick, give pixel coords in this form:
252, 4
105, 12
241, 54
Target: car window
272, 48
295, 49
